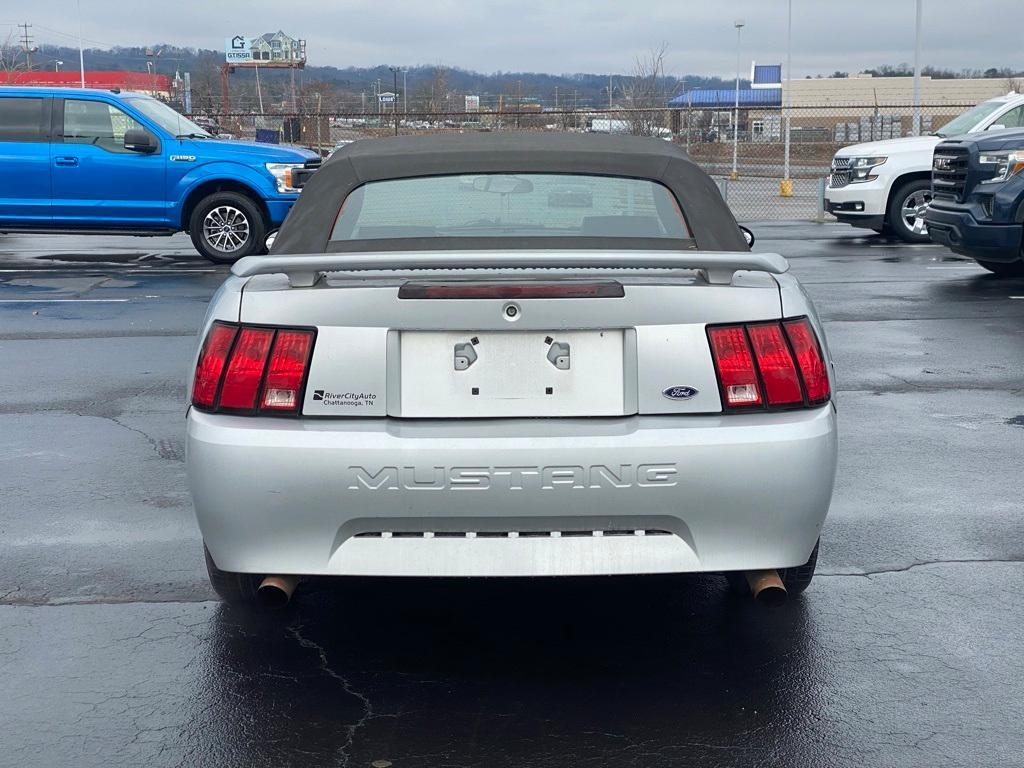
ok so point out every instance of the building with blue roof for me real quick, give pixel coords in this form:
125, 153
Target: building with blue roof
725, 98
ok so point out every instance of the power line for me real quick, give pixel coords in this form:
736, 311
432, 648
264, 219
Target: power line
71, 36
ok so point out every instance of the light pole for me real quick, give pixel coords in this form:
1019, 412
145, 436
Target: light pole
736, 108
917, 72
786, 186
81, 50
394, 109
57, 65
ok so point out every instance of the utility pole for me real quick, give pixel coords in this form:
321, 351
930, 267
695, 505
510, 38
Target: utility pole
26, 44
736, 108
405, 92
519, 100
609, 94
394, 108
917, 71
556, 98
81, 51
786, 187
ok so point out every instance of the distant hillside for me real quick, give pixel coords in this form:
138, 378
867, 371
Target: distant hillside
346, 88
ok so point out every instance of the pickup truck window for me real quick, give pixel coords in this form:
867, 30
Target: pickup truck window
97, 123
167, 118
21, 119
1012, 119
502, 205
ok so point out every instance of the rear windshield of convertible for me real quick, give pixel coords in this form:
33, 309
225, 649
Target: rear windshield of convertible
502, 205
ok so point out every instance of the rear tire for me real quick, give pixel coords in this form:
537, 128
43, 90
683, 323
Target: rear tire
232, 587
227, 226
796, 579
905, 217
1003, 269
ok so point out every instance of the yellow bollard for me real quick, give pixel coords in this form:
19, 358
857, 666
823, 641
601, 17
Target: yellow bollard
786, 188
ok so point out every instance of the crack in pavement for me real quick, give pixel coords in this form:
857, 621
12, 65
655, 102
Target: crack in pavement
368, 713
919, 564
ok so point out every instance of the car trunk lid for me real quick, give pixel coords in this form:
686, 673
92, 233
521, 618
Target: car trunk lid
498, 342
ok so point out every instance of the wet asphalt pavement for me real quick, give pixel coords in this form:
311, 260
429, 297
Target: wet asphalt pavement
906, 651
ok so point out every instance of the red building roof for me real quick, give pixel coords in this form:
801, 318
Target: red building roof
127, 81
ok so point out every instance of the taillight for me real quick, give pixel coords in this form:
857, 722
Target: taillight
211, 364
252, 369
769, 365
287, 369
775, 363
809, 359
245, 369
735, 366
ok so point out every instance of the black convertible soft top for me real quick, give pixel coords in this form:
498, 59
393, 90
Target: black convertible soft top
308, 227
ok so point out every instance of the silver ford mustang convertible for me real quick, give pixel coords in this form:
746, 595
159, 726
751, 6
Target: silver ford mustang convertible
433, 378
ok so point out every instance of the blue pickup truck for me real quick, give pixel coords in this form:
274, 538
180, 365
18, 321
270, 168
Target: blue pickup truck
100, 162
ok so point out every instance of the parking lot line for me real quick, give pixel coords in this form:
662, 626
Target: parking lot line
62, 301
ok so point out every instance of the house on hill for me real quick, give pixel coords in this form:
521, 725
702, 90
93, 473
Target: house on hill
277, 46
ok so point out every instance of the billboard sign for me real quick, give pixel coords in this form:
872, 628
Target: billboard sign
236, 50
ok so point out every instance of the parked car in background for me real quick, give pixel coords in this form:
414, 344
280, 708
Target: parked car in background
570, 196
98, 162
886, 185
421, 382
978, 199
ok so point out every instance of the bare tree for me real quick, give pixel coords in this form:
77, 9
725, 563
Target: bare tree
12, 55
439, 95
646, 93
206, 89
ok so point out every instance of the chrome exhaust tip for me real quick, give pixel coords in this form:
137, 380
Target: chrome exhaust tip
275, 592
766, 587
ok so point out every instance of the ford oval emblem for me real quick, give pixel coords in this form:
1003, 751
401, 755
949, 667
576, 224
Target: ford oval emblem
679, 393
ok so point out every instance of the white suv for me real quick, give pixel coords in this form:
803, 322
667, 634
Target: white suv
886, 185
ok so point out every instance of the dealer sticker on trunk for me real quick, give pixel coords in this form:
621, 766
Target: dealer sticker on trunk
344, 399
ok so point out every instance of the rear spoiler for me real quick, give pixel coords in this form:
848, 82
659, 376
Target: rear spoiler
305, 271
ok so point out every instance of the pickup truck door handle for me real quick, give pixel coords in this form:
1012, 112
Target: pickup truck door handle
65, 161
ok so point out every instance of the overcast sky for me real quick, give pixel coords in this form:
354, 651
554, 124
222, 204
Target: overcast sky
558, 36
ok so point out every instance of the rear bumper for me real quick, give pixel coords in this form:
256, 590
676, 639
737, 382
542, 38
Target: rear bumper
439, 498
962, 233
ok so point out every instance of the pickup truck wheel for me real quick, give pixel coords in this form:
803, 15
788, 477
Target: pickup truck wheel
796, 579
232, 587
1003, 269
906, 211
227, 226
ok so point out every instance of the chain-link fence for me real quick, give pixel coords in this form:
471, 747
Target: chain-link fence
745, 151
